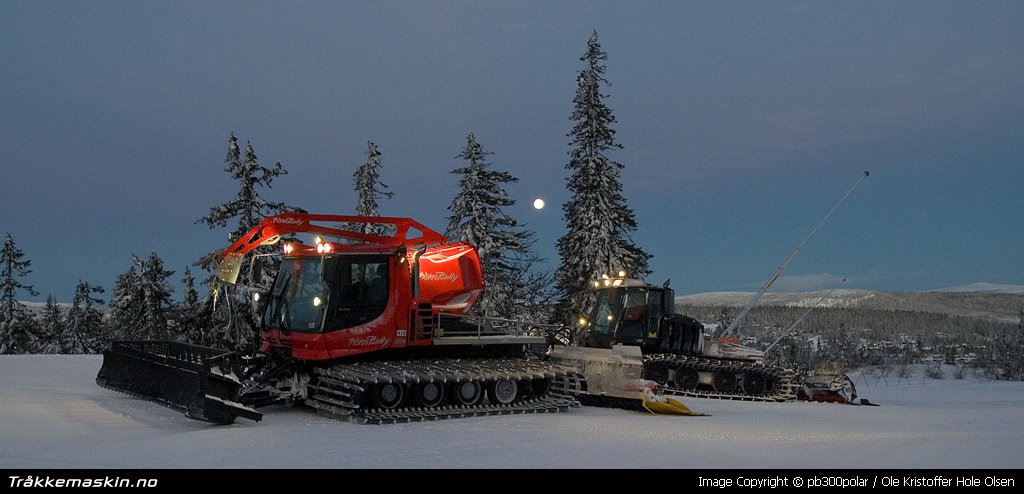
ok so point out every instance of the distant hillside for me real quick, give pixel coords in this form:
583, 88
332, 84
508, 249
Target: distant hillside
986, 288
998, 306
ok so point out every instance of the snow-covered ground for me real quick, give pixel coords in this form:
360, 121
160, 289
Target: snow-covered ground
53, 415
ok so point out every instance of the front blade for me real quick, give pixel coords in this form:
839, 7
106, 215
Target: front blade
200, 381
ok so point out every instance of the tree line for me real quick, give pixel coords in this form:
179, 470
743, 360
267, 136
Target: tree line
857, 337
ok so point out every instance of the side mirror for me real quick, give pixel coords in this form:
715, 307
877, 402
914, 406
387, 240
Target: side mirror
329, 269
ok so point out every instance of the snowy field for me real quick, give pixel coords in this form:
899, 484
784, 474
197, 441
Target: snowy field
54, 416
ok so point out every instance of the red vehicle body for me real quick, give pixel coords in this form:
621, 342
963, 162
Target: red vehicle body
383, 292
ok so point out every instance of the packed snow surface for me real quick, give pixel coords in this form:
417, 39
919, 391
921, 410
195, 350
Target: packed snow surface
55, 416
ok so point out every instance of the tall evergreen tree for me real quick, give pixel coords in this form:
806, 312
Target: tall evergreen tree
189, 296
51, 328
598, 221
477, 218
189, 314
233, 325
84, 323
16, 323
248, 207
141, 301
369, 189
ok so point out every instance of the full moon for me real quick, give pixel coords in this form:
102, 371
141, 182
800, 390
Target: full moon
538, 204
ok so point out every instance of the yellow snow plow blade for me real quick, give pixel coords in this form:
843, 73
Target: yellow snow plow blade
668, 405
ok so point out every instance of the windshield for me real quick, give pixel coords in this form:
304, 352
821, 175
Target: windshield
298, 298
603, 318
620, 315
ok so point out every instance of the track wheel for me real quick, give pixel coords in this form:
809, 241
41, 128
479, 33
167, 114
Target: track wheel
540, 386
429, 394
686, 378
389, 395
467, 393
724, 381
504, 391
754, 384
657, 373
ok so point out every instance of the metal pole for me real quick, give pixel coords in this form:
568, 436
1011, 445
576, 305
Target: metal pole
802, 316
736, 322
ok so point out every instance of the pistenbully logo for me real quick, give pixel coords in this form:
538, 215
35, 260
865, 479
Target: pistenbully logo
369, 341
438, 276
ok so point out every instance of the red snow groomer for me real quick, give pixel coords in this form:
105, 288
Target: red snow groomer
365, 327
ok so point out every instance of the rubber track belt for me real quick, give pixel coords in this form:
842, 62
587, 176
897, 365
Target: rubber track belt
782, 381
340, 391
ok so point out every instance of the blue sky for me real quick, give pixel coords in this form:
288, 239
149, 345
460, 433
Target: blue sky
742, 124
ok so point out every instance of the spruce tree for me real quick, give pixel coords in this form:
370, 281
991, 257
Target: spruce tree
369, 188
248, 208
189, 296
51, 328
188, 314
84, 324
17, 328
234, 323
126, 305
598, 221
141, 301
477, 218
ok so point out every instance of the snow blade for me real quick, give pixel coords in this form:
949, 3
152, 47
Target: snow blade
668, 405
200, 381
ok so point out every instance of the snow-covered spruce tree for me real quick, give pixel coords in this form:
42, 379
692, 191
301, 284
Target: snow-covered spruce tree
534, 295
186, 314
51, 328
17, 328
84, 324
598, 222
189, 296
233, 324
477, 218
141, 301
369, 188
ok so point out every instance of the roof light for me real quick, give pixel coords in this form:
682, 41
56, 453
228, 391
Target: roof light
324, 248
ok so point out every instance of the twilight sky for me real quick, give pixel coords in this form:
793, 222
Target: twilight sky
743, 123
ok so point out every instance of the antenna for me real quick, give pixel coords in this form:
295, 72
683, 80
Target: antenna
743, 313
